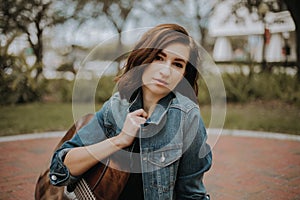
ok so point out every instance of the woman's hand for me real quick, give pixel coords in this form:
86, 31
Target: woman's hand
131, 126
80, 159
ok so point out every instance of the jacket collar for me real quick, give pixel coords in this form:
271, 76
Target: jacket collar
160, 109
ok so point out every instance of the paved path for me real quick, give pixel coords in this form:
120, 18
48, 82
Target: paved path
243, 168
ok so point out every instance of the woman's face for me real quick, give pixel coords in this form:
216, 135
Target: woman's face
166, 71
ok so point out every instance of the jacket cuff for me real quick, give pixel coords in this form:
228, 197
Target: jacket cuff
59, 173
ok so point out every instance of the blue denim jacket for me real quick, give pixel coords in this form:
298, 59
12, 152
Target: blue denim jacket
173, 151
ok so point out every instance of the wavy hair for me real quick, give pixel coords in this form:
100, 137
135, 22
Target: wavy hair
145, 51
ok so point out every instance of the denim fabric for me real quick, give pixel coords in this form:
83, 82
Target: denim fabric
174, 154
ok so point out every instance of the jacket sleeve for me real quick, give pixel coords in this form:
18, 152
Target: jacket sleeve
91, 133
195, 161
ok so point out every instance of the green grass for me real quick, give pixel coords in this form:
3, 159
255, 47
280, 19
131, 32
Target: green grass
31, 118
268, 116
261, 116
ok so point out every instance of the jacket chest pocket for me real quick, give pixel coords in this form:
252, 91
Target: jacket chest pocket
165, 156
164, 163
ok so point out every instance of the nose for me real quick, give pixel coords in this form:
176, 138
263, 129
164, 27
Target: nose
165, 70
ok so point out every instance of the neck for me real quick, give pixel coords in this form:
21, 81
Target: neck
149, 102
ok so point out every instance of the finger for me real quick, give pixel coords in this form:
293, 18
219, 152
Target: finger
137, 121
144, 114
140, 112
140, 120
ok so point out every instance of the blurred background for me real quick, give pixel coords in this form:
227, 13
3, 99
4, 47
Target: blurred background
43, 43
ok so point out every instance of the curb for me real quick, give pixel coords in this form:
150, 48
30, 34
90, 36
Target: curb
254, 134
219, 132
31, 136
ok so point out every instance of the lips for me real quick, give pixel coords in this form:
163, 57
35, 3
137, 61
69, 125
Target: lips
161, 82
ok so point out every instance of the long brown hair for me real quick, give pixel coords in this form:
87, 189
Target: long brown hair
146, 50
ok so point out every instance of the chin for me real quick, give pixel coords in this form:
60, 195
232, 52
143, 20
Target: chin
161, 92
158, 90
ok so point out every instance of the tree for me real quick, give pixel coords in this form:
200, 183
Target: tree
118, 14
110, 15
29, 18
202, 12
33, 18
294, 7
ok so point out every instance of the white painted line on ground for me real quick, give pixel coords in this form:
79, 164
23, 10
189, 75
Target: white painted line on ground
32, 136
256, 134
219, 132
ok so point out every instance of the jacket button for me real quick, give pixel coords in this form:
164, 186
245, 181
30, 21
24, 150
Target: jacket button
163, 158
53, 177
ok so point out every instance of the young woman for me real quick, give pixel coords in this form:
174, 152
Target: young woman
153, 118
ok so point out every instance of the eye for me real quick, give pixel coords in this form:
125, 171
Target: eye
159, 58
179, 65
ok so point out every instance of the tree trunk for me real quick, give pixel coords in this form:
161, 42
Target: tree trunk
39, 47
294, 7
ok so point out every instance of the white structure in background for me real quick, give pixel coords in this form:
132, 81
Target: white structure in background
223, 26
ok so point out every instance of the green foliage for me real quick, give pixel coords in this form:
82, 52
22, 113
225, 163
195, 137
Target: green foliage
105, 89
28, 19
58, 90
61, 90
21, 82
238, 87
17, 84
241, 87
203, 93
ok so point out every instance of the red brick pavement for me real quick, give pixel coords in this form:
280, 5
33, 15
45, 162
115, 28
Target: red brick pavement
243, 168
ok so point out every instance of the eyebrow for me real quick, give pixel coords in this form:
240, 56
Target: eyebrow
176, 59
